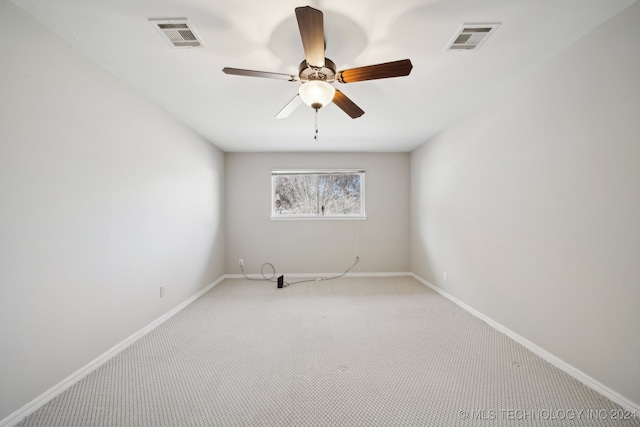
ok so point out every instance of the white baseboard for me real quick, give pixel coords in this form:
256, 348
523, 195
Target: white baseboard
323, 275
390, 274
54, 391
539, 351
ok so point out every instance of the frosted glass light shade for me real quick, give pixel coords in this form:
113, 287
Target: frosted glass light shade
316, 93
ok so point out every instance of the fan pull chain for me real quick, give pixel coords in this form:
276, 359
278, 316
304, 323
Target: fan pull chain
315, 136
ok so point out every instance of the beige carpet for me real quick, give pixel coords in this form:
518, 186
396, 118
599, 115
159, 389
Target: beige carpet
346, 352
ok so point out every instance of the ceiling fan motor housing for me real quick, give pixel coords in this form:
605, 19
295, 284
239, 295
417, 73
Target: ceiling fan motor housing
326, 73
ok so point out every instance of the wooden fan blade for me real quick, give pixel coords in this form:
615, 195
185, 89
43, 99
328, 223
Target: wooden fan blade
347, 105
290, 107
311, 25
378, 71
265, 74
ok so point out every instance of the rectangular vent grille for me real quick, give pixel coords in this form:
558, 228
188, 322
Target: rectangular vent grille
178, 32
471, 36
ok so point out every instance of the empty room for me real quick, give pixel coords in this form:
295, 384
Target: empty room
420, 213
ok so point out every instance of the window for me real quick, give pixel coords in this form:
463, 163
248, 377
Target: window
317, 194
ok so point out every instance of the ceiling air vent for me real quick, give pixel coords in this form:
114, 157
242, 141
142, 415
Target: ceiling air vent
178, 32
471, 36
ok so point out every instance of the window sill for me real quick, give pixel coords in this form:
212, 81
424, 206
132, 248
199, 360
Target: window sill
318, 218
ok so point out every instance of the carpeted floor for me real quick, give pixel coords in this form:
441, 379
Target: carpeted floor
346, 352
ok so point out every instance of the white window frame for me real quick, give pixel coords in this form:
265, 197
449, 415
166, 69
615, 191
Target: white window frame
318, 217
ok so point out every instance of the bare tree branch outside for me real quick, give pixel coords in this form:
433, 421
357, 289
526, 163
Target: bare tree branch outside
318, 194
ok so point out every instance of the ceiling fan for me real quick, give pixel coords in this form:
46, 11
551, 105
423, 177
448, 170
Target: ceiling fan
317, 73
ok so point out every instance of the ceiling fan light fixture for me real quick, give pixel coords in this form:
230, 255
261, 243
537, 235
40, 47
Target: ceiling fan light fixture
316, 93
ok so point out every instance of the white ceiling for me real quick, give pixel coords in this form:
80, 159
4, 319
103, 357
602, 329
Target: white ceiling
237, 113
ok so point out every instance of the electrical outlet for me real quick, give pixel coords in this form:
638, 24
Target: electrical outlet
241, 261
161, 291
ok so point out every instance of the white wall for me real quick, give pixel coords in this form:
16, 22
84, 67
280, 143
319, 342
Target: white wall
103, 198
381, 242
532, 207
